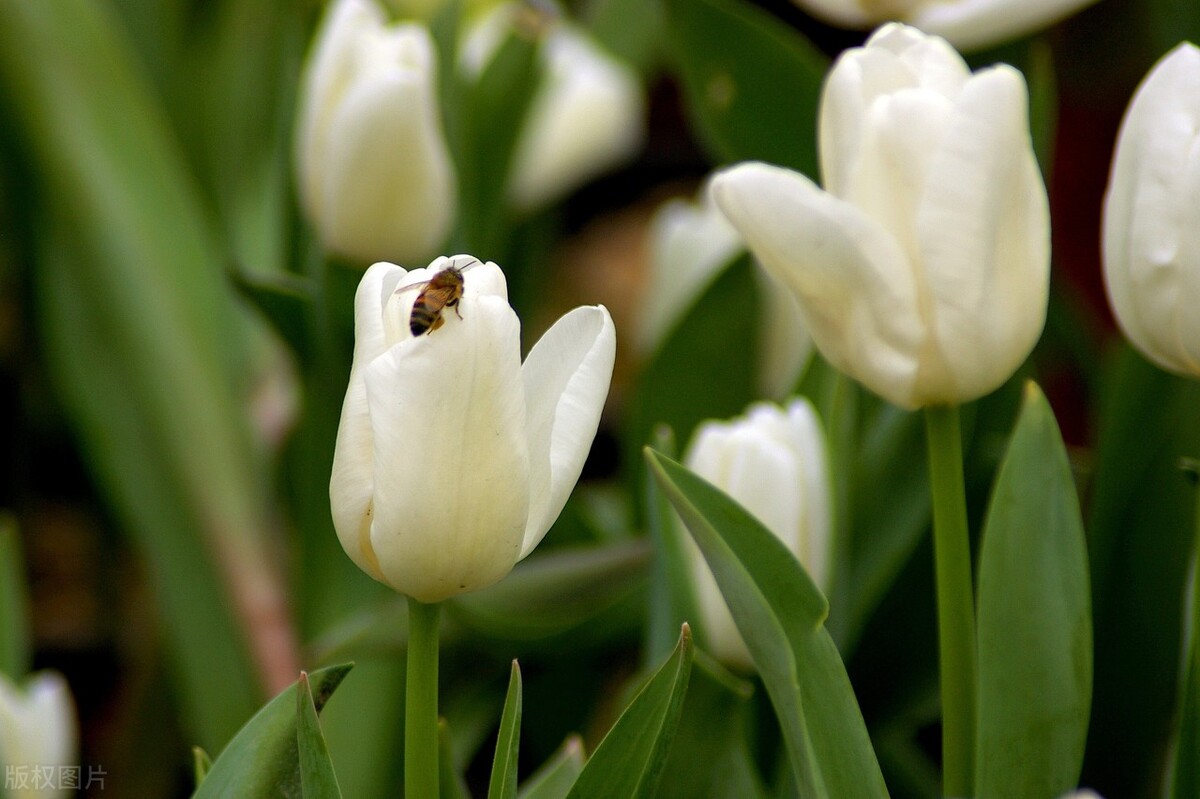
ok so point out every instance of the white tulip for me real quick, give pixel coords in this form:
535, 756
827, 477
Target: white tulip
923, 269
1152, 216
373, 169
587, 116
773, 462
38, 736
453, 458
691, 244
968, 24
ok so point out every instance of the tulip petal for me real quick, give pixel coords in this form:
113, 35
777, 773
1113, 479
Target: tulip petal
973, 24
350, 485
983, 225
850, 276
450, 497
370, 177
329, 70
37, 722
566, 377
1150, 255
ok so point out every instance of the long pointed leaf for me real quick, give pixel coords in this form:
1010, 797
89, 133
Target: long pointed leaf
503, 784
781, 614
263, 759
630, 760
556, 776
316, 770
1035, 625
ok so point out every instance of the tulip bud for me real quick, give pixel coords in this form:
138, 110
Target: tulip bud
37, 736
586, 117
773, 462
1152, 216
373, 169
691, 243
923, 268
453, 458
967, 24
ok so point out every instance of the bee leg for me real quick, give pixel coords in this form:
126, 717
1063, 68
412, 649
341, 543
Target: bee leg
436, 324
454, 305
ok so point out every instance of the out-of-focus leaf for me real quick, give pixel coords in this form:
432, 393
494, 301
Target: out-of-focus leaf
671, 598
547, 595
556, 776
450, 781
488, 124
286, 301
14, 604
1139, 525
711, 754
317, 778
364, 728
1185, 775
638, 44
201, 764
676, 388
780, 614
1035, 626
629, 762
143, 340
752, 84
503, 784
263, 759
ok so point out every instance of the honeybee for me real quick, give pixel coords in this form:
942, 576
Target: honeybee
441, 291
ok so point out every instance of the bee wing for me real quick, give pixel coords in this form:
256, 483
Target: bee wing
418, 284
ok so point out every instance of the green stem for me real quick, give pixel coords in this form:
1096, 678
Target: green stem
955, 600
421, 703
1186, 778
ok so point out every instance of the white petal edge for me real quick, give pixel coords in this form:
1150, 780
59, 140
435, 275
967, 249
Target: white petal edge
351, 481
849, 275
974, 24
566, 378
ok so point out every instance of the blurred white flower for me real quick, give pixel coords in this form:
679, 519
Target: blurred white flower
372, 165
37, 735
1152, 216
691, 244
587, 117
968, 24
773, 462
923, 268
453, 458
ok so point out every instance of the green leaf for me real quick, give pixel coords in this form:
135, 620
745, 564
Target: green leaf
711, 754
316, 769
780, 614
1035, 625
1185, 775
14, 604
551, 594
503, 784
201, 764
718, 336
629, 761
450, 781
556, 776
672, 594
264, 759
286, 300
1140, 527
143, 340
752, 84
490, 120
608, 21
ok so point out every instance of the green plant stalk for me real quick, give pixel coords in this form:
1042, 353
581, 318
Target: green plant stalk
1187, 742
421, 705
955, 600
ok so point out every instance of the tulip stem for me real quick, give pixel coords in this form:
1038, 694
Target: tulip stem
955, 600
1186, 776
421, 703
